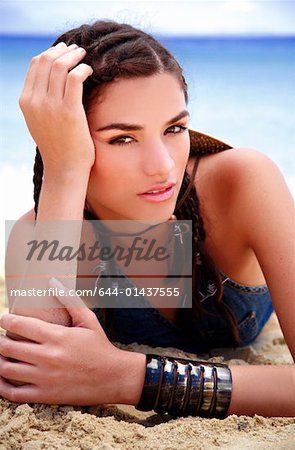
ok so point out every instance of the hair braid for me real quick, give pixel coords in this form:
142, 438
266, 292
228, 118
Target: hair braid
37, 179
188, 208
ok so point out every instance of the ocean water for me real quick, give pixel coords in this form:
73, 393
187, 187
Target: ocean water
241, 91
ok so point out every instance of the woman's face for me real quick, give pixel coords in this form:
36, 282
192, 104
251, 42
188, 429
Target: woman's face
142, 144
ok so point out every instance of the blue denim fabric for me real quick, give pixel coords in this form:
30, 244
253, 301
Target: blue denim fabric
251, 305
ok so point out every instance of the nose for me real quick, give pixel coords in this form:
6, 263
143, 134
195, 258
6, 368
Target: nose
157, 160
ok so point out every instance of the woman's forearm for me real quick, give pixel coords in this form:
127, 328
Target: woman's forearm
58, 226
63, 194
60, 218
263, 390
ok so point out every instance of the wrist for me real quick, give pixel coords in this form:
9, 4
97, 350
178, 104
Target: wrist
131, 369
67, 173
63, 194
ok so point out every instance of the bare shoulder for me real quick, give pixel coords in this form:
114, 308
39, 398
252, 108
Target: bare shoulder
240, 192
233, 166
29, 215
234, 175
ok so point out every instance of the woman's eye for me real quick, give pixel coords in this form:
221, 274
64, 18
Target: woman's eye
176, 129
125, 140
122, 140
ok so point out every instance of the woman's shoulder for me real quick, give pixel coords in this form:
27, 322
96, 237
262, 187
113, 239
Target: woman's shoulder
226, 175
231, 186
235, 189
29, 215
234, 162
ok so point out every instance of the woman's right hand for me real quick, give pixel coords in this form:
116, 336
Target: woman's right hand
75, 365
51, 102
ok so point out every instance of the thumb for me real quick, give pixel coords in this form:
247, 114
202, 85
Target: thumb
80, 314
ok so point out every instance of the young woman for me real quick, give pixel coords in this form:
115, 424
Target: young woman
107, 108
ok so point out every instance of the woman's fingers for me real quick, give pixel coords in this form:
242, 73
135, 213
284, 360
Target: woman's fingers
74, 84
29, 80
27, 352
54, 73
39, 70
45, 63
48, 71
60, 68
56, 121
35, 330
27, 393
17, 371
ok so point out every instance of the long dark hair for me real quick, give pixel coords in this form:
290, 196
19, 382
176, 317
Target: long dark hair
121, 51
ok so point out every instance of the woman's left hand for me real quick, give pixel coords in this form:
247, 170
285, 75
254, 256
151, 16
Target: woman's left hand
58, 364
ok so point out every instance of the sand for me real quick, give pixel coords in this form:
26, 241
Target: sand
34, 427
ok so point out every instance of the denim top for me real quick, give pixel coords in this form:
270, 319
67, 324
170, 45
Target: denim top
251, 306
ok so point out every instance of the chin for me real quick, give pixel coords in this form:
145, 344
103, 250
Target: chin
157, 219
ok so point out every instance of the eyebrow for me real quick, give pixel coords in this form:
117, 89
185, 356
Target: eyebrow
136, 127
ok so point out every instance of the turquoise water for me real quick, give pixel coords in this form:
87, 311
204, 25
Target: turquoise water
241, 91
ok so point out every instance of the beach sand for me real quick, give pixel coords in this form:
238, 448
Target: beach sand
34, 427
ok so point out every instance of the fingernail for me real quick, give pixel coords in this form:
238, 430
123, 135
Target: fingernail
60, 44
2, 314
54, 282
1, 318
73, 46
81, 50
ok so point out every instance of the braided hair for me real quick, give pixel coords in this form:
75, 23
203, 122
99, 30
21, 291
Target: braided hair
115, 51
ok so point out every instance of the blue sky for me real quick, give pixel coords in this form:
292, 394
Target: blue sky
190, 17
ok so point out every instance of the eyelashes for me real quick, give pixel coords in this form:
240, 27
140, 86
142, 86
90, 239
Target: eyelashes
181, 129
120, 141
127, 140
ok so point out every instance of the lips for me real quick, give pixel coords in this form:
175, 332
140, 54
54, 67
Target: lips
158, 195
158, 189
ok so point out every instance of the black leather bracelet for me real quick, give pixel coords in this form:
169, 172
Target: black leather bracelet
182, 387
152, 383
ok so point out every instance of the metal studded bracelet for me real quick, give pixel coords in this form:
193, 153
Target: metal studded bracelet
183, 387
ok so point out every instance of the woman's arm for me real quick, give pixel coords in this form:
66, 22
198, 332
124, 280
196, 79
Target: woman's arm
51, 102
62, 359
75, 365
263, 390
263, 216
